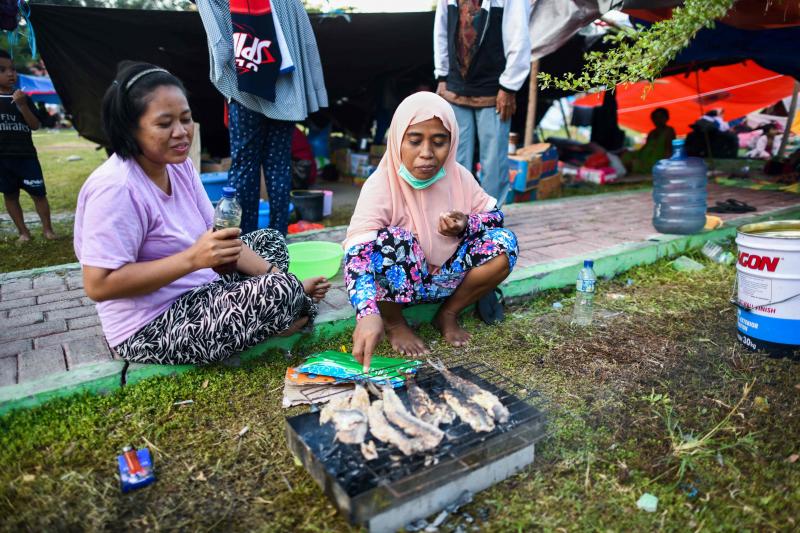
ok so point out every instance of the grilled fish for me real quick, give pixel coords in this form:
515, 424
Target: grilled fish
382, 430
474, 393
337, 404
351, 426
349, 416
397, 414
469, 412
426, 409
369, 451
360, 399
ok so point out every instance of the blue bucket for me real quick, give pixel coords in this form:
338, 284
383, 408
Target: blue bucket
263, 213
213, 182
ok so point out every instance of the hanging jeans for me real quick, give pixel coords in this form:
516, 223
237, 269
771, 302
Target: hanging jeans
493, 142
256, 142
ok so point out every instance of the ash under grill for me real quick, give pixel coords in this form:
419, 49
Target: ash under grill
393, 490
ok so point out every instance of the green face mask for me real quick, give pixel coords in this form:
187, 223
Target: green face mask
419, 184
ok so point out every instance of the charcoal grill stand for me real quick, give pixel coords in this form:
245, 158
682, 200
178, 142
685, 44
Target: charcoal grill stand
473, 462
390, 507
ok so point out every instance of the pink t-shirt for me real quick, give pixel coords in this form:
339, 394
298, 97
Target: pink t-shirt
123, 217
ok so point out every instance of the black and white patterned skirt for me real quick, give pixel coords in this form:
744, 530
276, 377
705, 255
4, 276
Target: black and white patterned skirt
219, 319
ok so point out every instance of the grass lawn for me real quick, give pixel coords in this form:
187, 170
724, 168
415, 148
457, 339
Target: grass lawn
659, 398
39, 252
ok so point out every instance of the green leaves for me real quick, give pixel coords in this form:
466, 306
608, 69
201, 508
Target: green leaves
642, 54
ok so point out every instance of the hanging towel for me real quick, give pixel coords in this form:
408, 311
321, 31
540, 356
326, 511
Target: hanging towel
287, 65
256, 49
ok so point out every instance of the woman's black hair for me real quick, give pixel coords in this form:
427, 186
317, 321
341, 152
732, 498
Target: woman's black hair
125, 102
5, 55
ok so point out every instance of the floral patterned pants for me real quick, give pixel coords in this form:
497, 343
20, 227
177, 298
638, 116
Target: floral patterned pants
392, 268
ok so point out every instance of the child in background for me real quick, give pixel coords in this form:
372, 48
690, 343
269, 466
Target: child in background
658, 145
19, 166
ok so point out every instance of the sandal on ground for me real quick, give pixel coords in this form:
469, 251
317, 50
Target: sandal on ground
490, 307
731, 205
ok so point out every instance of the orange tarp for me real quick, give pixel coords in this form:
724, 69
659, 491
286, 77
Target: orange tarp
745, 14
738, 89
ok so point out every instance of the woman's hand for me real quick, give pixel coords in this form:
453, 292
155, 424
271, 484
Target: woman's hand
452, 223
316, 288
367, 335
215, 248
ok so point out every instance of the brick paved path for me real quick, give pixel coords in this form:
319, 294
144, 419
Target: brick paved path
50, 326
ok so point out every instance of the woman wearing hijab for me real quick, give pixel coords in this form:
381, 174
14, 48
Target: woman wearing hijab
423, 231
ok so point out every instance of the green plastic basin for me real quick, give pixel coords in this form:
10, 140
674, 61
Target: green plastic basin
315, 258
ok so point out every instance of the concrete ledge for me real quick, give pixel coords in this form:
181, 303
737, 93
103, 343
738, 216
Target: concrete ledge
8, 276
523, 283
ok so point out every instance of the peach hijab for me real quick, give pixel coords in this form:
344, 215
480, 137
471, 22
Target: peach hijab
388, 200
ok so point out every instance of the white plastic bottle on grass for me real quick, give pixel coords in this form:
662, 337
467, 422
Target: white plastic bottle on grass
584, 297
717, 253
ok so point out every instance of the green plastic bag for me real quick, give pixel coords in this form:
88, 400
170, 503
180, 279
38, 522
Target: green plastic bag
341, 365
686, 264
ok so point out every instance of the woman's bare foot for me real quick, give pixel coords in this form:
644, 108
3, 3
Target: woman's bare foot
404, 340
451, 330
296, 326
316, 288
25, 237
50, 235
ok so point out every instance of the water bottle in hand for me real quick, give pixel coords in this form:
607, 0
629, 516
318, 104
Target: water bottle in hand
228, 214
584, 297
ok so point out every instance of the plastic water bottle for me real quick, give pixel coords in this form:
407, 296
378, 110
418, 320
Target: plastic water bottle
584, 297
228, 213
679, 193
716, 253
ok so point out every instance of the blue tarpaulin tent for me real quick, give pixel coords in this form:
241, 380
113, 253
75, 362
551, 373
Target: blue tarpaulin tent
39, 88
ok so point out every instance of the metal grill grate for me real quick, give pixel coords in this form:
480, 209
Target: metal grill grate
345, 464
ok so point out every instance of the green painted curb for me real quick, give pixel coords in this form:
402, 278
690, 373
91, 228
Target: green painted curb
6, 276
523, 282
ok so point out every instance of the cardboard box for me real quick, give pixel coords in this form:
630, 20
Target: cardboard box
212, 165
376, 152
601, 176
535, 162
523, 173
341, 160
533, 149
194, 149
514, 197
549, 187
359, 164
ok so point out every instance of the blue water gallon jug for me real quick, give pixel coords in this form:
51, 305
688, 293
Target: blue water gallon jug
679, 193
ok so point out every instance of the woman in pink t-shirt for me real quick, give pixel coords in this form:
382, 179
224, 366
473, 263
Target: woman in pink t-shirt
143, 236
